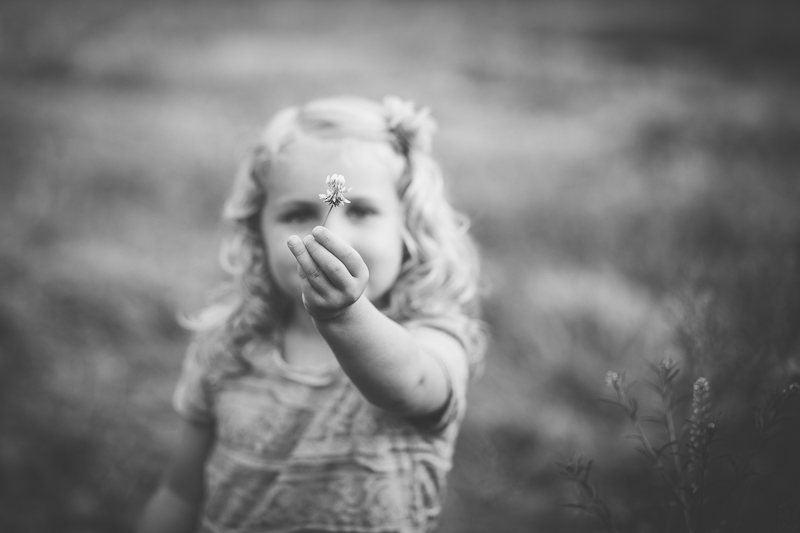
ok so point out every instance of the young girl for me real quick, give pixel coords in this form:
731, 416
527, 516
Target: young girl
324, 390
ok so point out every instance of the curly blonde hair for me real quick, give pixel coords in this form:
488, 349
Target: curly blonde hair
439, 280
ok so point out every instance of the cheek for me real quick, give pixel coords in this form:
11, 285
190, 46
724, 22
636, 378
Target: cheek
395, 247
280, 261
389, 258
399, 252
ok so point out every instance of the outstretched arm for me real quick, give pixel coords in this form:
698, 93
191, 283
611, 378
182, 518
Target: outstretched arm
396, 369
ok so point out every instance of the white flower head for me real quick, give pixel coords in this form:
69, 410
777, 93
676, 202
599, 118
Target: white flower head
336, 189
612, 379
414, 128
701, 386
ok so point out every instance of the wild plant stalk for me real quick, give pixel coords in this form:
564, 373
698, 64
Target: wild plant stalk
667, 371
702, 428
578, 472
687, 473
629, 404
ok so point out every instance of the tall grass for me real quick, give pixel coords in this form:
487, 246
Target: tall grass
705, 478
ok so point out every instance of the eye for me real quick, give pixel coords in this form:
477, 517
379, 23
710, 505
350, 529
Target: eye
360, 211
297, 216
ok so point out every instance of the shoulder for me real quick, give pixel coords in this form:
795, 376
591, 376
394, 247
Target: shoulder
216, 354
459, 338
438, 342
206, 363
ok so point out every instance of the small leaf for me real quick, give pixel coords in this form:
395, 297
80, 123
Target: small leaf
643, 451
664, 447
612, 402
672, 373
654, 419
654, 387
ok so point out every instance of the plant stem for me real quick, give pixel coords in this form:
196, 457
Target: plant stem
660, 468
327, 215
677, 461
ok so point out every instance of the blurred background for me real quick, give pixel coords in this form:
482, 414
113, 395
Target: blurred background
631, 169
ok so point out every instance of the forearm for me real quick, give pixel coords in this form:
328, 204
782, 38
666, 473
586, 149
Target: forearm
384, 360
167, 512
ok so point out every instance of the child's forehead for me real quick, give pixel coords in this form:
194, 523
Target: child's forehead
308, 161
308, 150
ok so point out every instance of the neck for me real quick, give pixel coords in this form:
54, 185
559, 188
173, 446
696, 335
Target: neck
303, 345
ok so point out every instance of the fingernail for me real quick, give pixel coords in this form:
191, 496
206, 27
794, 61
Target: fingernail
307, 239
294, 240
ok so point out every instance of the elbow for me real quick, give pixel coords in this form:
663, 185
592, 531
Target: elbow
409, 400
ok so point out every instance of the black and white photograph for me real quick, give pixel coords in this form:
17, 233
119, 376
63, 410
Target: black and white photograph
399, 266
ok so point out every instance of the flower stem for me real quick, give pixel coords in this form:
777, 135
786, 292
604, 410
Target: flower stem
676, 459
623, 396
327, 215
660, 467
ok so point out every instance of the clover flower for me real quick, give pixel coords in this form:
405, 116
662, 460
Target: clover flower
336, 190
335, 193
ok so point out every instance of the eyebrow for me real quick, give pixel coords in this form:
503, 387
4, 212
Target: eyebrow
359, 199
292, 204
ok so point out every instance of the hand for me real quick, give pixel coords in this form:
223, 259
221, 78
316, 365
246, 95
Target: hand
333, 275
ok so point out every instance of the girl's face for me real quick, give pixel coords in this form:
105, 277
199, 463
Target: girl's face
371, 223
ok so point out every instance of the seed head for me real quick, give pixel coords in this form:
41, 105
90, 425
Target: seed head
701, 426
666, 364
612, 379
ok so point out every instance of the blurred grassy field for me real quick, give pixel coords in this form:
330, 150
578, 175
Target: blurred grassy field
624, 163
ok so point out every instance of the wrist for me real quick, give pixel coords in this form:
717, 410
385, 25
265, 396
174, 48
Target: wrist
343, 316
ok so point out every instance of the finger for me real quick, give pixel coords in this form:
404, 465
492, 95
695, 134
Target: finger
333, 268
345, 253
310, 269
